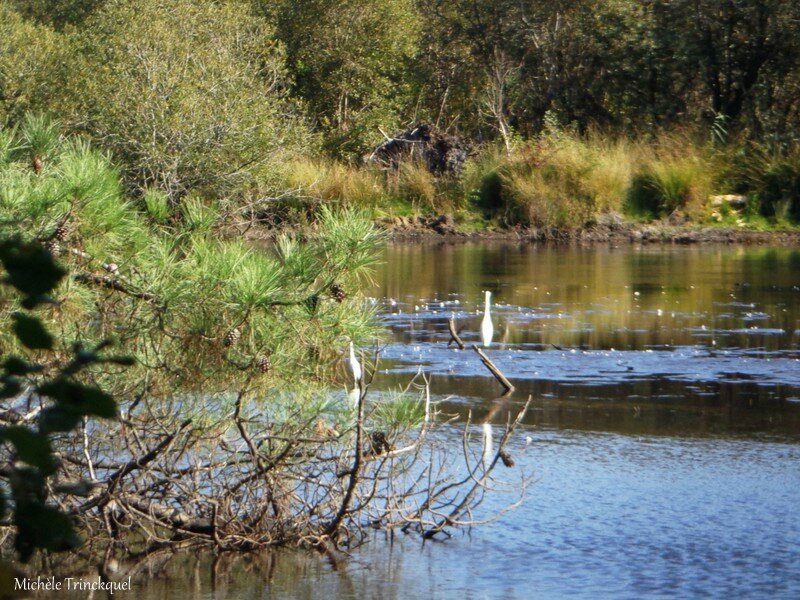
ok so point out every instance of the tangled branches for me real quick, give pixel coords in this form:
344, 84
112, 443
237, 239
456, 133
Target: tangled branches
272, 474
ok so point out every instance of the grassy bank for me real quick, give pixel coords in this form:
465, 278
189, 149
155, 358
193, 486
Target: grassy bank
564, 182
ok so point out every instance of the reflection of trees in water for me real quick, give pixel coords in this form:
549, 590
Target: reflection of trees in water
598, 297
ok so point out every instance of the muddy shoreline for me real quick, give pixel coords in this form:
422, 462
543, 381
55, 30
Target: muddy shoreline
442, 229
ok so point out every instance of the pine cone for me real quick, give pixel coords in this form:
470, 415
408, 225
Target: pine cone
378, 444
263, 364
311, 303
37, 164
338, 292
53, 247
233, 336
62, 233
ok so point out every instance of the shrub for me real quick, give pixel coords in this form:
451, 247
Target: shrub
29, 59
179, 288
186, 94
481, 181
775, 179
349, 62
561, 181
677, 174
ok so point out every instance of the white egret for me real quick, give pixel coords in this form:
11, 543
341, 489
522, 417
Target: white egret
355, 366
487, 445
487, 329
353, 396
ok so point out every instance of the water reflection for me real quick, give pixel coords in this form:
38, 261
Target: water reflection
653, 340
604, 298
665, 428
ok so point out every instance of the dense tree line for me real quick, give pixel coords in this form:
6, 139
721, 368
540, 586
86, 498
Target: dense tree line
152, 80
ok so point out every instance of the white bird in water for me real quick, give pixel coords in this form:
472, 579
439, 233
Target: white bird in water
355, 366
487, 329
487, 445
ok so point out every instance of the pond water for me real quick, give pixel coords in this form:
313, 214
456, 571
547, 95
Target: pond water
665, 427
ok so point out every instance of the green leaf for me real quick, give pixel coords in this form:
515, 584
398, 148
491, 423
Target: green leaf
32, 448
31, 269
14, 365
11, 387
31, 332
56, 419
45, 527
79, 398
31, 302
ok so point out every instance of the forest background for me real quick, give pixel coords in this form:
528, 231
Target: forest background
570, 109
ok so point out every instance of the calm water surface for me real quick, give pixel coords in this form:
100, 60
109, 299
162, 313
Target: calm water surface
665, 427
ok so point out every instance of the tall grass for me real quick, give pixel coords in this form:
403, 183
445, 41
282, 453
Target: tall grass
335, 182
562, 180
565, 180
414, 183
772, 176
675, 174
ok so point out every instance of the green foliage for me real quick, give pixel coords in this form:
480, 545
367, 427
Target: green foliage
156, 82
187, 95
179, 287
719, 130
564, 180
677, 175
31, 333
399, 412
774, 178
32, 272
39, 136
156, 203
56, 13
417, 185
210, 102
643, 199
30, 55
350, 62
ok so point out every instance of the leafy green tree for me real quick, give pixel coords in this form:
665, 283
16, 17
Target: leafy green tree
578, 60
199, 312
350, 61
29, 58
199, 315
732, 42
186, 94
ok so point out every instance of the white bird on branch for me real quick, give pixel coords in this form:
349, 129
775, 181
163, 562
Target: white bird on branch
488, 446
355, 366
487, 329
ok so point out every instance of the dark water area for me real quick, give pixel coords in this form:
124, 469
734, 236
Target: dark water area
664, 430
